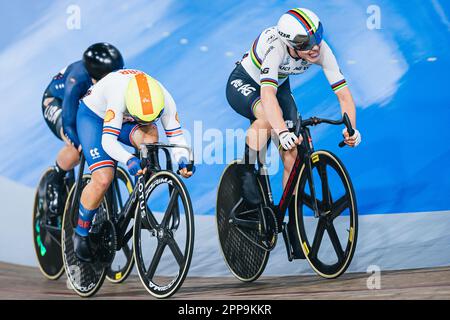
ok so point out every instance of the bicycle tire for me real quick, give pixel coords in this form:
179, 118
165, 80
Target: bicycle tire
72, 265
310, 250
244, 259
119, 276
48, 251
150, 284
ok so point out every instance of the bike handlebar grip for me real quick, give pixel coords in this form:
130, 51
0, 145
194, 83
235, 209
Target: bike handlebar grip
144, 163
348, 124
190, 167
298, 126
350, 130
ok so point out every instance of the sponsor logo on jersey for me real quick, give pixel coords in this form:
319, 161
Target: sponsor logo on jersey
52, 113
265, 71
109, 116
271, 39
268, 51
130, 71
301, 68
94, 153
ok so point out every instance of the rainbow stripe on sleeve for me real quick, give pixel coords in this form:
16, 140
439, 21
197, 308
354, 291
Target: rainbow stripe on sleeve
174, 132
339, 85
269, 82
257, 61
111, 130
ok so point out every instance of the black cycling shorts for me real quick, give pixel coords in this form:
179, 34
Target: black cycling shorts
53, 114
244, 94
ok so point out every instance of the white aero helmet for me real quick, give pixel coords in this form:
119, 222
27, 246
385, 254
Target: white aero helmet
300, 29
144, 98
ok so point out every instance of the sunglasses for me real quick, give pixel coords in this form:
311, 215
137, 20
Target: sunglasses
306, 43
141, 122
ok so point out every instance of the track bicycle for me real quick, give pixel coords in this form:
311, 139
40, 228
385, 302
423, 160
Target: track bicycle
326, 214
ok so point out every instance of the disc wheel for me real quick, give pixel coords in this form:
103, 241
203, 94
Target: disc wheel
244, 258
84, 278
328, 241
47, 230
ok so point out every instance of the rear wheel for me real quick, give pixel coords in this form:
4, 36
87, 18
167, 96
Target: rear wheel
328, 241
123, 262
244, 258
85, 278
47, 228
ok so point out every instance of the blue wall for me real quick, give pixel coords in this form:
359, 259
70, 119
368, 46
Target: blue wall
397, 75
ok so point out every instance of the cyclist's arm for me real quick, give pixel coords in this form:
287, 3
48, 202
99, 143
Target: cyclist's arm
112, 126
269, 87
172, 126
74, 90
337, 82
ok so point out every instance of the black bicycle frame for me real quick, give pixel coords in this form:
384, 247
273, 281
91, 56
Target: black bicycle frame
304, 152
150, 158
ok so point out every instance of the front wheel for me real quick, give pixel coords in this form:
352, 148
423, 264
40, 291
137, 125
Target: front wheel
163, 234
328, 239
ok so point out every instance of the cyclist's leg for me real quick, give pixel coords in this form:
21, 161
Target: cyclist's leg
90, 127
290, 114
243, 95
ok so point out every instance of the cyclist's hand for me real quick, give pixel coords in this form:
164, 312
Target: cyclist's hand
288, 140
185, 169
352, 141
134, 166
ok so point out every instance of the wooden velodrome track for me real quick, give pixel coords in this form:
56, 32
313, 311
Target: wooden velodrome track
19, 282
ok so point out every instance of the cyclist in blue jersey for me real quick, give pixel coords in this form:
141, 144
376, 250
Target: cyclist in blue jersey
61, 100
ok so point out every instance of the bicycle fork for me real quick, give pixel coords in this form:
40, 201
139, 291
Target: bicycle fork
312, 189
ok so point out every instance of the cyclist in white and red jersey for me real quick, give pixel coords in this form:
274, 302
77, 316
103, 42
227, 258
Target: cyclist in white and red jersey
122, 107
259, 89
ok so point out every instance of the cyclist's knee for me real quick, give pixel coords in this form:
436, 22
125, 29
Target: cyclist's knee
288, 158
102, 178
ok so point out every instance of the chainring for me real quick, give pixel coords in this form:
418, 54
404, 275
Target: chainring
267, 238
105, 243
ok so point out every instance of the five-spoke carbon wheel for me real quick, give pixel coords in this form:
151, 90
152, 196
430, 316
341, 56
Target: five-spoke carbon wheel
329, 240
163, 239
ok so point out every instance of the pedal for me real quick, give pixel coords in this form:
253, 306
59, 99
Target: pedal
104, 243
287, 242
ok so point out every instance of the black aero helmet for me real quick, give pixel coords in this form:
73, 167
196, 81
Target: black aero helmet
101, 59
